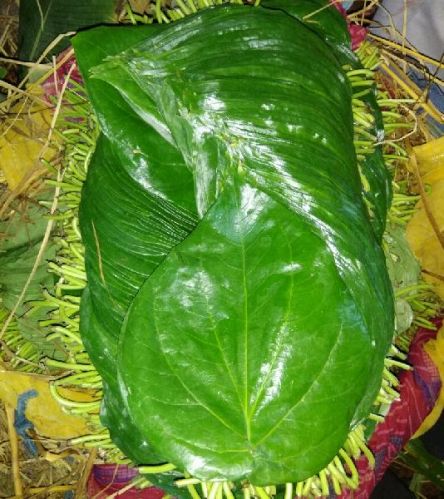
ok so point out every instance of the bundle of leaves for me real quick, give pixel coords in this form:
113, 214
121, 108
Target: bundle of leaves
236, 281
238, 307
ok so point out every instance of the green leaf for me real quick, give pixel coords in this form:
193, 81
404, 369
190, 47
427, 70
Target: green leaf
114, 189
422, 462
22, 235
41, 21
404, 272
116, 271
225, 228
243, 350
329, 23
30, 329
403, 268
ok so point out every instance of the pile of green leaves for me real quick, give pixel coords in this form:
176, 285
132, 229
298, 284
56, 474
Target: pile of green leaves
238, 305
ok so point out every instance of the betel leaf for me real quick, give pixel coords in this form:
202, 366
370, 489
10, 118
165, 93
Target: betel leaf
226, 229
253, 404
41, 21
124, 163
331, 25
404, 271
119, 270
22, 235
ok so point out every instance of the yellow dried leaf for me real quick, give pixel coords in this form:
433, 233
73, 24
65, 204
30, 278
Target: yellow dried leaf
430, 155
43, 411
22, 141
140, 6
435, 350
430, 160
423, 238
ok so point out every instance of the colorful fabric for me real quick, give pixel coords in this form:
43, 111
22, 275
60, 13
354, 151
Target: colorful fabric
106, 479
54, 83
419, 390
357, 32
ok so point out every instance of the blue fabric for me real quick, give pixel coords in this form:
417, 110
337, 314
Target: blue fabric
22, 423
435, 94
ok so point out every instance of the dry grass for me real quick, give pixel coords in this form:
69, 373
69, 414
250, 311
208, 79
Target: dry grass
8, 28
399, 56
57, 468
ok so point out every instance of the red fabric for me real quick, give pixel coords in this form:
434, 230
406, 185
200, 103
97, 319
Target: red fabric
53, 84
357, 32
418, 391
106, 479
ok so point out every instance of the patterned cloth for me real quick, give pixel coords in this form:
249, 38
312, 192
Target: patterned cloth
418, 390
54, 83
107, 479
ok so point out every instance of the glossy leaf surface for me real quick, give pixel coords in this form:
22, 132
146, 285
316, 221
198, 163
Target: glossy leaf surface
227, 215
115, 199
116, 191
264, 347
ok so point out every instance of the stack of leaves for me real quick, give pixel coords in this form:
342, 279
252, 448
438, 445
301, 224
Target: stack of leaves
232, 222
236, 281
